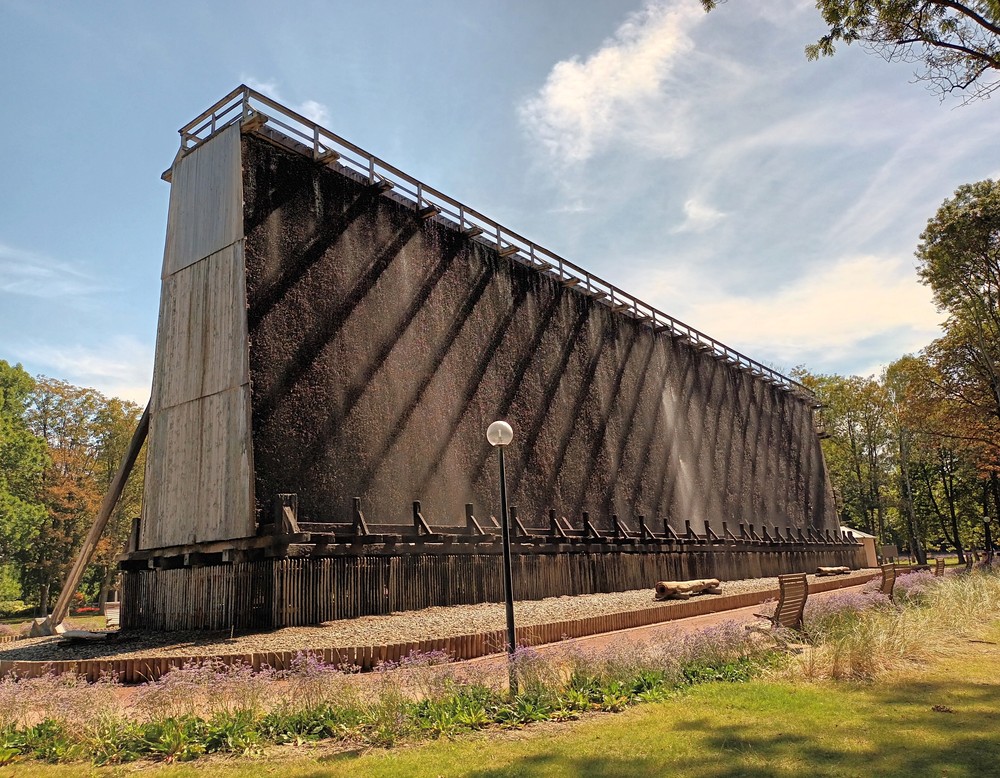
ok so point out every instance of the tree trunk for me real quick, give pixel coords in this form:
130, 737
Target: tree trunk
102, 599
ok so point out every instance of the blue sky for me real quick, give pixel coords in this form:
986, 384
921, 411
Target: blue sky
698, 161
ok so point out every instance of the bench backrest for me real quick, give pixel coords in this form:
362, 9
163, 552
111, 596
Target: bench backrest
793, 590
939, 568
888, 579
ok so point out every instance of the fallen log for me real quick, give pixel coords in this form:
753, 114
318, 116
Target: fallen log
682, 590
837, 570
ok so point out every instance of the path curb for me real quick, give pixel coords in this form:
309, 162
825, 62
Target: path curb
458, 647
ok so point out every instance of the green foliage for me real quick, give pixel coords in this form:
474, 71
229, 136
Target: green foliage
59, 448
956, 43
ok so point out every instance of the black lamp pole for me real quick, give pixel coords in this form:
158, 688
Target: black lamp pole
500, 434
508, 579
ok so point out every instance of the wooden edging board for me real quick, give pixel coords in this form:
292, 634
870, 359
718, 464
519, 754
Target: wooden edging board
457, 647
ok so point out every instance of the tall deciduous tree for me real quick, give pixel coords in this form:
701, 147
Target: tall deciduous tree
22, 464
959, 258
86, 434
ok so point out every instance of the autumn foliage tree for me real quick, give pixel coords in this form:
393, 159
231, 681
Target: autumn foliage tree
60, 446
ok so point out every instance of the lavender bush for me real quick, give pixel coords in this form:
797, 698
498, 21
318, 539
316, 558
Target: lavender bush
914, 587
838, 609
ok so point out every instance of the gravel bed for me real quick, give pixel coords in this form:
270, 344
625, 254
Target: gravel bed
368, 630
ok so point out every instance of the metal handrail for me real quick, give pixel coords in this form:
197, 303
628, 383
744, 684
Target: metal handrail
244, 104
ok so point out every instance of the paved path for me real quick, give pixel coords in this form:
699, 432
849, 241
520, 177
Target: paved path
640, 634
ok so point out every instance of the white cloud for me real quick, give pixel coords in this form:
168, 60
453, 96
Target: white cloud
121, 368
698, 216
311, 109
585, 104
823, 317
314, 110
34, 275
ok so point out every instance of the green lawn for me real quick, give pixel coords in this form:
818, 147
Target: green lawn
711, 731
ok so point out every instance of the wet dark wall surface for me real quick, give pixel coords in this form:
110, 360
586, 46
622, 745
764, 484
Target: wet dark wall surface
382, 346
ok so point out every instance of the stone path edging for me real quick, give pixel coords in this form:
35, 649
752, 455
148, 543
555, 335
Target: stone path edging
458, 647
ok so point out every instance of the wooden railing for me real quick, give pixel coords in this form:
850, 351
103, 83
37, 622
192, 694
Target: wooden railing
253, 111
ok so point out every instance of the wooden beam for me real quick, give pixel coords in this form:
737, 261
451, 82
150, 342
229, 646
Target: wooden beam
418, 520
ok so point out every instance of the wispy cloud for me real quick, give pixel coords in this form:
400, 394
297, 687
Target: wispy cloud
821, 318
311, 109
698, 216
585, 104
27, 273
121, 368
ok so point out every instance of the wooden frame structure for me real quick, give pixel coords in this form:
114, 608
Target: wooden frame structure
234, 426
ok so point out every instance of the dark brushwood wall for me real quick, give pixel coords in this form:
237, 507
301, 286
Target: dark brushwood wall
382, 345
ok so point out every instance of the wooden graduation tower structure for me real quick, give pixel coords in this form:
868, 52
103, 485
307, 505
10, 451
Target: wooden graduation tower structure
335, 337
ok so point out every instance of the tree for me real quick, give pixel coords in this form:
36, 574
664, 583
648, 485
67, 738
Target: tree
959, 258
903, 381
956, 43
858, 450
23, 461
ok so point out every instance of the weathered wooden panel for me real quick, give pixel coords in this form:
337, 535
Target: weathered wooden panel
198, 468
198, 482
293, 592
201, 342
206, 202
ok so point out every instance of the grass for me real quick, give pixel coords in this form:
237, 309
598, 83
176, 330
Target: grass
882, 690
73, 622
714, 730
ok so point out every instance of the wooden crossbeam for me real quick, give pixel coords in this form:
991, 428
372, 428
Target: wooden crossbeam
359, 527
470, 521
418, 520
555, 528
589, 530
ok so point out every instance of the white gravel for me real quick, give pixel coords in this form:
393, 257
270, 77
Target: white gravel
368, 630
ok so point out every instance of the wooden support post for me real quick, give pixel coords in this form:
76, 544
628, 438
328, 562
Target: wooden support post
744, 535
133, 537
589, 530
286, 514
470, 521
519, 530
645, 533
555, 528
765, 536
668, 531
620, 530
419, 524
358, 524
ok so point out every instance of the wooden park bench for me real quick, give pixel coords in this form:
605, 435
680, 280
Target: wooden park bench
938, 568
888, 579
793, 589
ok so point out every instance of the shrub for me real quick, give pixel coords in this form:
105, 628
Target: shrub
913, 587
14, 609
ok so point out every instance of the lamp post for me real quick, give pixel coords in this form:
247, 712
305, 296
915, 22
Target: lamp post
500, 434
